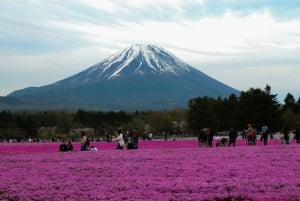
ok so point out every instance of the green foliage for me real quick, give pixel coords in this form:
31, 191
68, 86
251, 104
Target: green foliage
202, 113
259, 107
254, 106
289, 102
162, 121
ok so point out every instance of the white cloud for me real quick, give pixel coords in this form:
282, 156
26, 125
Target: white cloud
105, 5
177, 4
226, 34
20, 71
228, 46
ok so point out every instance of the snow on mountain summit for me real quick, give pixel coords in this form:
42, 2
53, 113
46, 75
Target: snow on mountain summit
140, 59
137, 59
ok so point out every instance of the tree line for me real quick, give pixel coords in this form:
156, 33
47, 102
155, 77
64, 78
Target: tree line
25, 125
255, 106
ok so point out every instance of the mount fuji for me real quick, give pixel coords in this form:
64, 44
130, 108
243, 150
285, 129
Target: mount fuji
143, 77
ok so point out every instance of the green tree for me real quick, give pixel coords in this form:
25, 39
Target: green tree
226, 111
289, 102
8, 126
289, 118
259, 107
297, 107
202, 113
161, 121
30, 128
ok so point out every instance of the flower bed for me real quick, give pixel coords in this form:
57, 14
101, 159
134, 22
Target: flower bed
159, 170
157, 144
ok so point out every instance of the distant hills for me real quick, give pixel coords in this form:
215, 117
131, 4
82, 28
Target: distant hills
140, 77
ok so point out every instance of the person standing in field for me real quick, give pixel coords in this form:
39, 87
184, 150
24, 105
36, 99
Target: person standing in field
232, 137
120, 140
244, 134
125, 136
205, 137
201, 140
83, 141
210, 137
129, 142
265, 134
250, 135
165, 135
135, 138
286, 136
144, 135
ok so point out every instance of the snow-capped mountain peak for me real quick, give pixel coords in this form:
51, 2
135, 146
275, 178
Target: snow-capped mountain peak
139, 77
137, 59
141, 59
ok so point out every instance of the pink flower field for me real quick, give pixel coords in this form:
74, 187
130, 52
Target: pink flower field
158, 170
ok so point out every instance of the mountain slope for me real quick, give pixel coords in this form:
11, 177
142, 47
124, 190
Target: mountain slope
139, 77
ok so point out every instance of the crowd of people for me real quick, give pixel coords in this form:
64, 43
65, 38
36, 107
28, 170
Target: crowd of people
84, 144
130, 139
206, 136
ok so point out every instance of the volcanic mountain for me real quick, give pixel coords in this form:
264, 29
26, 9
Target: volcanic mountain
142, 77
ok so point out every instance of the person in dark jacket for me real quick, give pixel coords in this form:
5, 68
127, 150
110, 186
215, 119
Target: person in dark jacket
200, 137
69, 146
210, 136
63, 147
286, 136
135, 138
232, 137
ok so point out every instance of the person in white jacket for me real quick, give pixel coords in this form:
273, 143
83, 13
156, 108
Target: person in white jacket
120, 140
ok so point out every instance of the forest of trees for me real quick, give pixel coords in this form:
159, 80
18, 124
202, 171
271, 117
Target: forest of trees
254, 106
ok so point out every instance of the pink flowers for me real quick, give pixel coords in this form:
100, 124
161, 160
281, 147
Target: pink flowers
159, 170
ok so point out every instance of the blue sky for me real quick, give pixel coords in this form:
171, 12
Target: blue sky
248, 43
